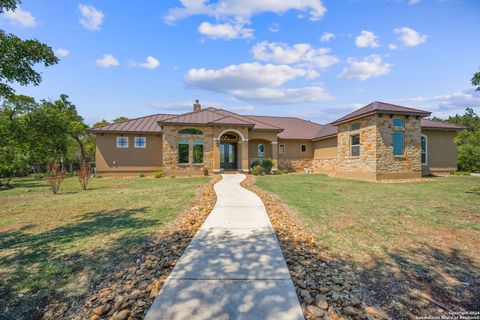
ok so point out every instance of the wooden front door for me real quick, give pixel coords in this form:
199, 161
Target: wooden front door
228, 155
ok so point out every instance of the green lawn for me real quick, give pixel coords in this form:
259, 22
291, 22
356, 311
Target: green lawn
422, 230
53, 247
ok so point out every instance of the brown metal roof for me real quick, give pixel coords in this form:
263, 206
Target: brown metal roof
326, 131
293, 128
381, 107
437, 125
146, 125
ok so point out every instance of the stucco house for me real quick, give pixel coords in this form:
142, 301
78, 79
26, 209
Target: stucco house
379, 141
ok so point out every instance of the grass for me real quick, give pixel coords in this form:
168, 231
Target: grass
52, 247
418, 230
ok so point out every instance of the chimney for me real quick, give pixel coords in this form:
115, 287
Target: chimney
197, 106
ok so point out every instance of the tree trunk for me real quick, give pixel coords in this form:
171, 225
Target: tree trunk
83, 155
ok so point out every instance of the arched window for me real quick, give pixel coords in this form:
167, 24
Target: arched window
190, 131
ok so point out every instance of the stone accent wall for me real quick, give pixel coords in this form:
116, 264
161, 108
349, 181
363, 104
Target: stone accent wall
388, 165
366, 162
170, 149
295, 164
325, 165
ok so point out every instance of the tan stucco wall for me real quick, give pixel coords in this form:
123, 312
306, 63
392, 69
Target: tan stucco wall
293, 159
441, 151
128, 159
253, 147
325, 149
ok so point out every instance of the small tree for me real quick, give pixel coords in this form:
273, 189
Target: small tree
56, 176
84, 174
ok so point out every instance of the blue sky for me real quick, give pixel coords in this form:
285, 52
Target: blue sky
308, 58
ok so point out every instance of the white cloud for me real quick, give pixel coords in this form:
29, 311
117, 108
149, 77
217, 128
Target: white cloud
410, 37
60, 52
242, 10
413, 2
92, 17
275, 27
444, 105
107, 61
301, 54
369, 67
225, 31
367, 39
327, 36
258, 83
392, 46
20, 18
151, 63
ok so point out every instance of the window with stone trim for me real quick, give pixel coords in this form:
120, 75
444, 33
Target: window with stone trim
183, 151
398, 143
122, 142
197, 152
355, 126
397, 122
355, 145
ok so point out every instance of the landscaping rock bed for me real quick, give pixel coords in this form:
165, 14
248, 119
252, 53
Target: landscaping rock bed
129, 292
326, 288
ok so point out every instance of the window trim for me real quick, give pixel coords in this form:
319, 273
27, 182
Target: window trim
426, 149
280, 147
395, 126
306, 150
182, 142
197, 143
393, 144
264, 150
135, 143
354, 145
197, 132
119, 146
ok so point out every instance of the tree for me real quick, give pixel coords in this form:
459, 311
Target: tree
476, 80
100, 123
18, 57
120, 119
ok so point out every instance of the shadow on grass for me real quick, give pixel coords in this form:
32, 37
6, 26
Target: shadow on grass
36, 268
417, 282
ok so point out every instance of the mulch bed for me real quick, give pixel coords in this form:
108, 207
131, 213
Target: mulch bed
326, 288
131, 289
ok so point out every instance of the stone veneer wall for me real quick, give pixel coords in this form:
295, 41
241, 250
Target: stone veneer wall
363, 166
325, 165
408, 165
295, 164
170, 149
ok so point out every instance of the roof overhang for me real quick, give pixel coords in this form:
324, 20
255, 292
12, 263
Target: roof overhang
405, 113
325, 137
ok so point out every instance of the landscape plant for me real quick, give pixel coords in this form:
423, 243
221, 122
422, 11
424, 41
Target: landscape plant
56, 174
84, 174
267, 165
159, 173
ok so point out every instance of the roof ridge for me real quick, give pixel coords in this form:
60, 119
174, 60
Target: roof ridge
235, 115
190, 112
289, 117
133, 119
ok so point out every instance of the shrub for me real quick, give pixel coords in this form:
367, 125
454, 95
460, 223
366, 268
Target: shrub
173, 177
277, 172
159, 174
84, 174
142, 175
56, 174
285, 172
254, 170
267, 165
255, 163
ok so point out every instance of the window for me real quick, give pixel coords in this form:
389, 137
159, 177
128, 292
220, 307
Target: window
261, 150
355, 145
398, 143
183, 151
397, 122
424, 146
303, 148
190, 131
197, 152
140, 142
354, 126
122, 142
281, 149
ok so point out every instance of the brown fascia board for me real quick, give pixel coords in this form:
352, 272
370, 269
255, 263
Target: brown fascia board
443, 129
124, 132
275, 130
406, 113
325, 137
161, 123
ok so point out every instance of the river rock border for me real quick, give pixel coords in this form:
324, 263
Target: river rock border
327, 289
130, 291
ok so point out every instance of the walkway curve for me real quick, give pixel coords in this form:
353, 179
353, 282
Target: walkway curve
233, 268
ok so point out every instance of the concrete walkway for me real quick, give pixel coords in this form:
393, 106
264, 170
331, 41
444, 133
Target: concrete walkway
233, 268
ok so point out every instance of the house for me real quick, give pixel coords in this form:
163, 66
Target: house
379, 141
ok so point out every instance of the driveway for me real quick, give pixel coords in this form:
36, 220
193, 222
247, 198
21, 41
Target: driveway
233, 268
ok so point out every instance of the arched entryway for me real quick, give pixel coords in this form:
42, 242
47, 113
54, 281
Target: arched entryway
229, 151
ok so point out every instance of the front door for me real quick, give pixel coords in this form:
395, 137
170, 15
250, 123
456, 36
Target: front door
228, 156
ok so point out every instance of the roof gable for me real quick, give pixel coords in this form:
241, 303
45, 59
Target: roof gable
146, 125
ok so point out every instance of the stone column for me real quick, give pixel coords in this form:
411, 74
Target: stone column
275, 155
244, 146
216, 155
